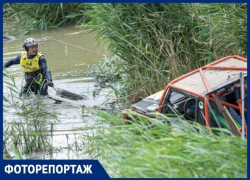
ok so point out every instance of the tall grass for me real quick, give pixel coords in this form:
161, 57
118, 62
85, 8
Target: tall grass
225, 27
159, 42
26, 131
28, 17
161, 150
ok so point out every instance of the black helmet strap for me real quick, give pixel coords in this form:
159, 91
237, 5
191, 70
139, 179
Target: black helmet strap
26, 48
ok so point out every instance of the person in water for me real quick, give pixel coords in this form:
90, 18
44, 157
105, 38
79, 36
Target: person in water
37, 74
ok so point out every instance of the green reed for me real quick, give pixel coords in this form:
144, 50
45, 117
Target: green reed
25, 131
28, 17
165, 150
159, 42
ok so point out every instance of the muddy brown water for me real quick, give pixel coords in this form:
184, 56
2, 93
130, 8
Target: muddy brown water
69, 52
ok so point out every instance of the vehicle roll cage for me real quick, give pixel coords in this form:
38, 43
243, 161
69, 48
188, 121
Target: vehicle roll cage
211, 93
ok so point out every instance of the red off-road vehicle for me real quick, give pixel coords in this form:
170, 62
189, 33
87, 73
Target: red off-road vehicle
214, 95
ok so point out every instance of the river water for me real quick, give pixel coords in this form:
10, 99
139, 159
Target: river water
69, 52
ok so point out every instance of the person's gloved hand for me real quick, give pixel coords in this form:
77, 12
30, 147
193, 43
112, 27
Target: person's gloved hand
50, 83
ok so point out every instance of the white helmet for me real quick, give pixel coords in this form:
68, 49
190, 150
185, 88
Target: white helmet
29, 42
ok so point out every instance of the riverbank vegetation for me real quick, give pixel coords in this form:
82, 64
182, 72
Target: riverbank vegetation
20, 18
161, 150
31, 130
157, 42
154, 43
